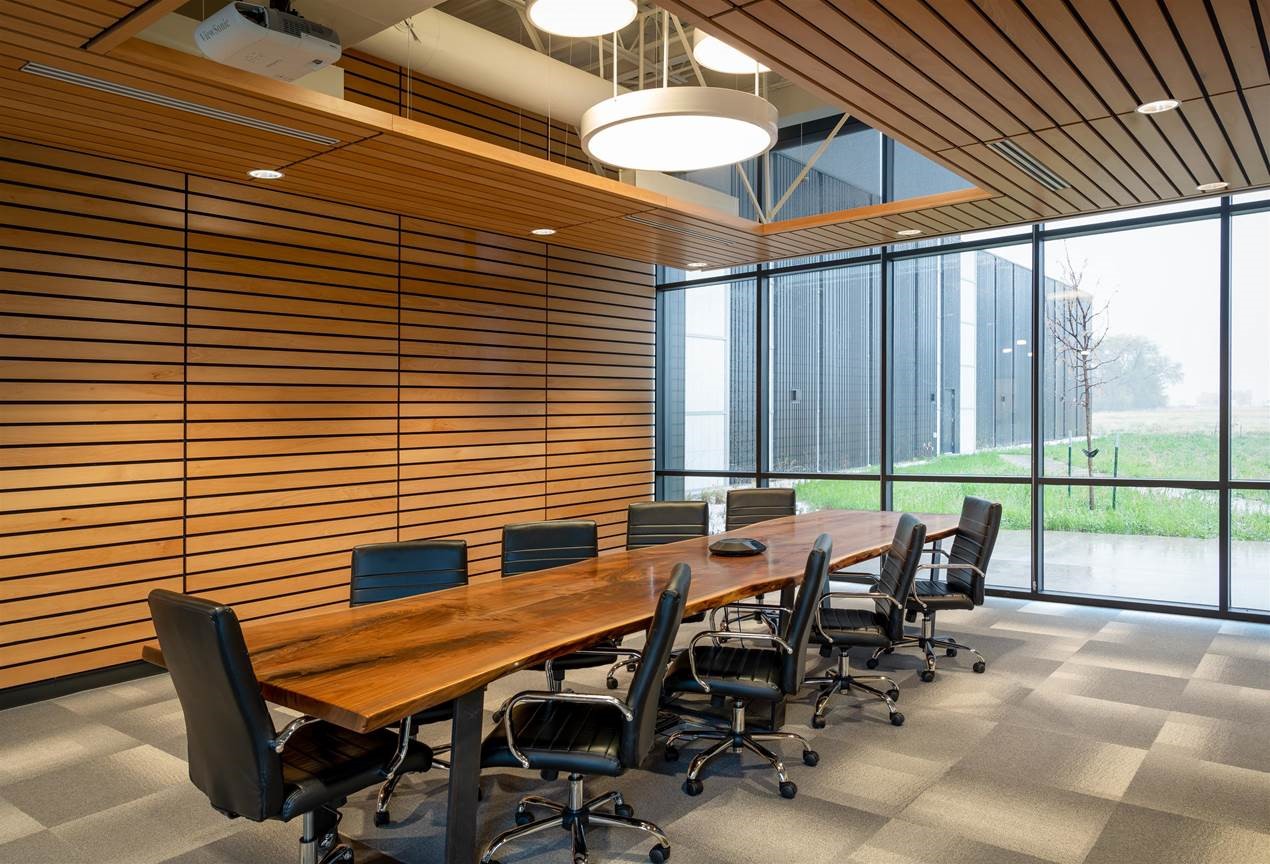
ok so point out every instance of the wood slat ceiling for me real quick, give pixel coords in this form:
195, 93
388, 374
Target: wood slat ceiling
1060, 81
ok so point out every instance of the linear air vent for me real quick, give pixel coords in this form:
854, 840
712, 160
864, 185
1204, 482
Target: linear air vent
1024, 161
176, 104
676, 229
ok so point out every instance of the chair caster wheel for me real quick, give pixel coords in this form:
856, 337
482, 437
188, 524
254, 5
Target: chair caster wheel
897, 719
672, 754
626, 811
927, 675
817, 722
693, 787
381, 818
811, 758
893, 694
579, 858
826, 650
950, 652
872, 662
788, 789
659, 854
979, 666
549, 774
610, 682
524, 817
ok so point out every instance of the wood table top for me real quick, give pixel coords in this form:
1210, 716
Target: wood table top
368, 666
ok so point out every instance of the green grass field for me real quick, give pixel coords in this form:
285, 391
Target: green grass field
1160, 512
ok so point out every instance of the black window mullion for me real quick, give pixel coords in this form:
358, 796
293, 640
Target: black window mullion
1223, 410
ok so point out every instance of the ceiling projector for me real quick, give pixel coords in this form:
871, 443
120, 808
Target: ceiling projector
268, 40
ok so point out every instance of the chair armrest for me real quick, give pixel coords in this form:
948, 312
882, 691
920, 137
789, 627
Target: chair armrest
740, 636
281, 739
757, 607
850, 595
544, 696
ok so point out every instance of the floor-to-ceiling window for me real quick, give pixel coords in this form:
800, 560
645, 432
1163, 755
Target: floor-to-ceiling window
1105, 378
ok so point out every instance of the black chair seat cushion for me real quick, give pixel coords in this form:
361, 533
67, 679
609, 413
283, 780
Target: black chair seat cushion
730, 670
323, 762
562, 736
846, 627
582, 661
940, 595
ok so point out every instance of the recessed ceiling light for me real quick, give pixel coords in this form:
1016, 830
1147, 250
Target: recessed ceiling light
543, 232
714, 53
1159, 106
1212, 187
581, 18
1020, 341
1007, 350
697, 265
908, 232
265, 174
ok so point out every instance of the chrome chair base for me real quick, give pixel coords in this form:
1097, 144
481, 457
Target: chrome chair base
576, 817
735, 739
841, 680
382, 816
320, 838
926, 642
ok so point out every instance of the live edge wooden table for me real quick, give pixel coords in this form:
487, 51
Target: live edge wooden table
367, 667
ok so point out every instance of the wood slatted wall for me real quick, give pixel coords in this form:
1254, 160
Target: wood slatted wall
221, 388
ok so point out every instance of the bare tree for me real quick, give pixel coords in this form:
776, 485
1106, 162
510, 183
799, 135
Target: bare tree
1079, 324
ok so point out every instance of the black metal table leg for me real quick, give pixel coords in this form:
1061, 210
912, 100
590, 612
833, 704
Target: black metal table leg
465, 778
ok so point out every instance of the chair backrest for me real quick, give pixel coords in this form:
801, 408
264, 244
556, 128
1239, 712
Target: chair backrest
797, 629
976, 536
747, 506
652, 523
898, 571
229, 734
644, 694
530, 546
388, 571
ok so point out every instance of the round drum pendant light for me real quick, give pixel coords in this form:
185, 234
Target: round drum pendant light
678, 128
581, 18
714, 53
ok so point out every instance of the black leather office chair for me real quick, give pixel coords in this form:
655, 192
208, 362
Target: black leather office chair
532, 546
654, 523
771, 671
391, 571
589, 734
238, 760
966, 570
745, 507
882, 626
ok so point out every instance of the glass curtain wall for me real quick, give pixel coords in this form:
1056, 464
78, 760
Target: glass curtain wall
1107, 380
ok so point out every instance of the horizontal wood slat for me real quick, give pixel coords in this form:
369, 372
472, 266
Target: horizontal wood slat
221, 388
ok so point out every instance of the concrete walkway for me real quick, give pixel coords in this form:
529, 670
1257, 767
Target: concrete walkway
1164, 569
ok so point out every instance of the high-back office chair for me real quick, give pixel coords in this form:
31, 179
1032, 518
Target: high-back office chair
238, 760
654, 523
966, 570
763, 666
589, 734
532, 546
391, 571
878, 627
746, 507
